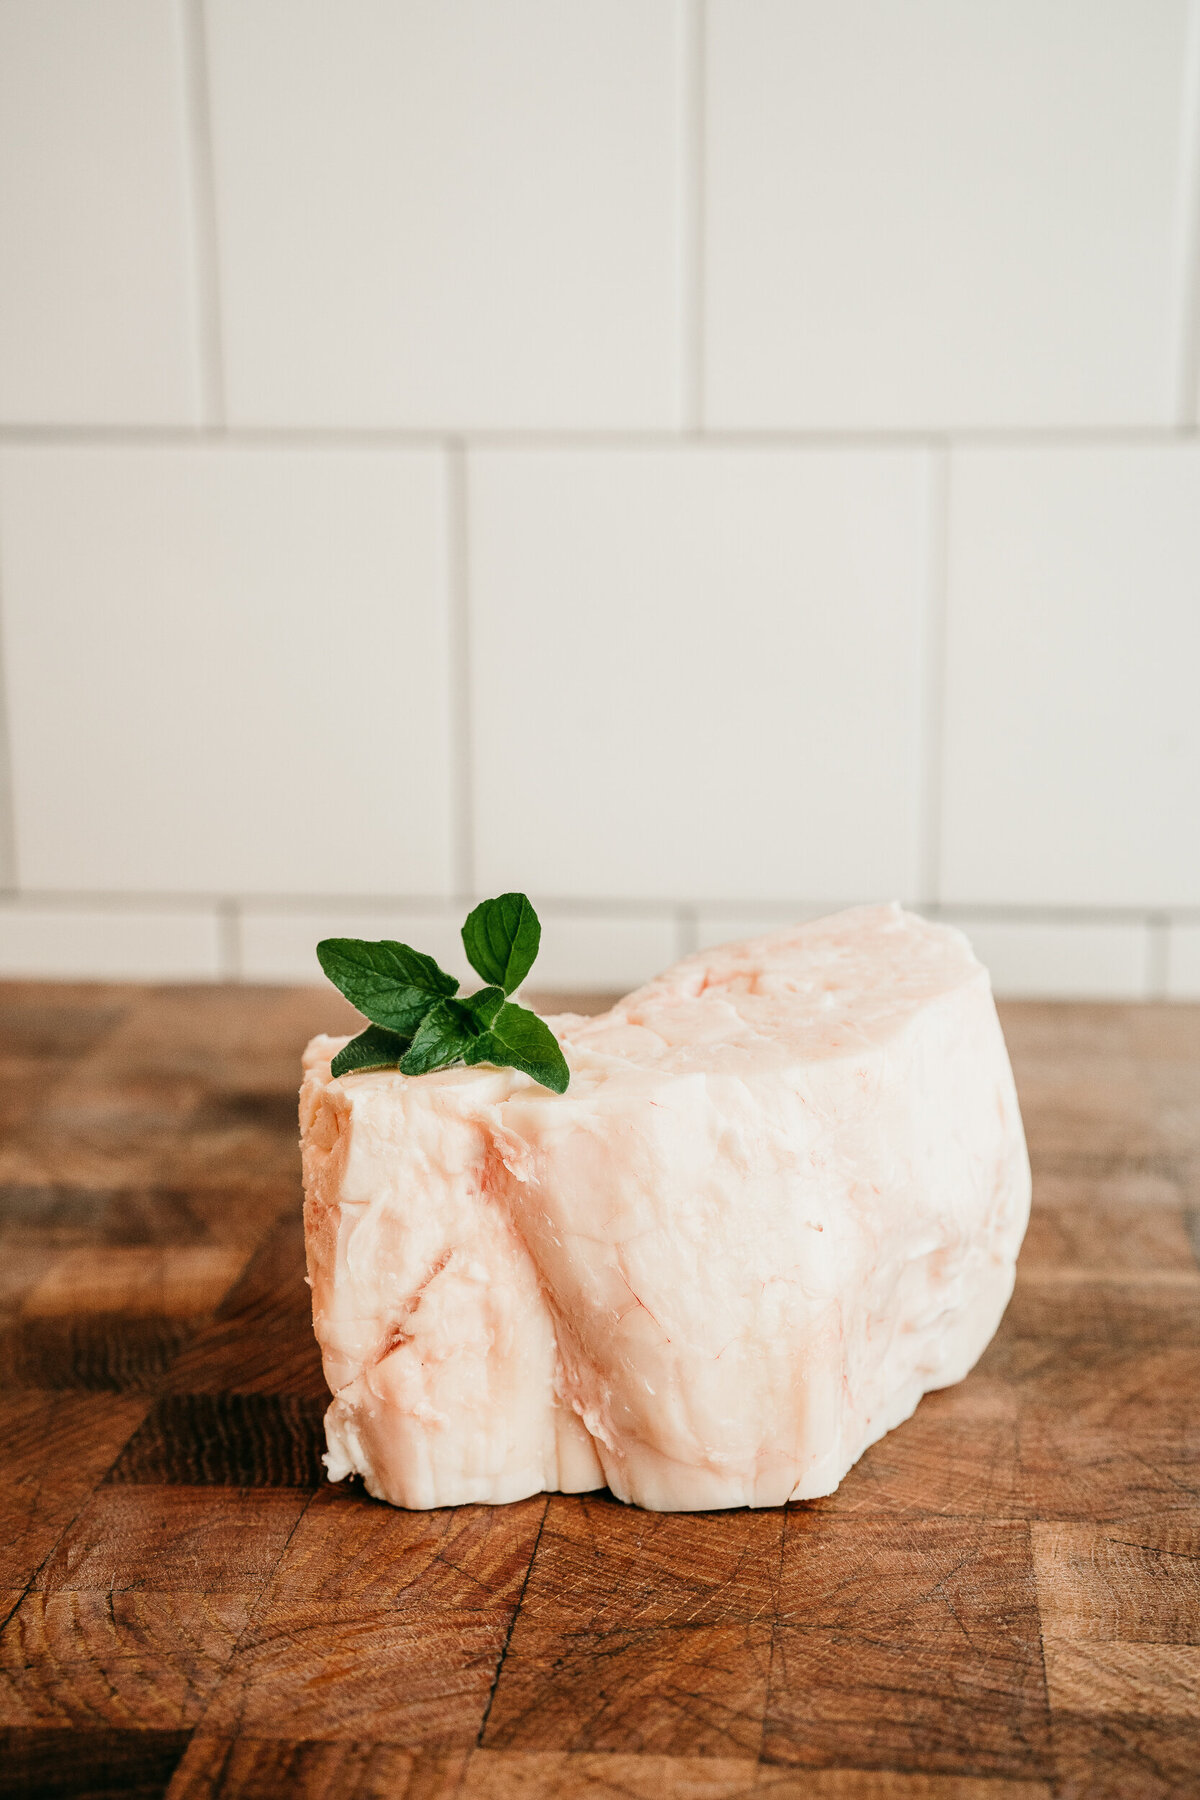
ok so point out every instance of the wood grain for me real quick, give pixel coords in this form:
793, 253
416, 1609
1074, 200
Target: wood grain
458, 1560
61, 1763
507, 1775
921, 1633
137, 1281
1001, 1601
1154, 1681
125, 1659
243, 1768
1133, 1583
342, 1670
227, 1440
601, 1565
169, 1540
260, 1339
56, 1448
105, 1354
665, 1690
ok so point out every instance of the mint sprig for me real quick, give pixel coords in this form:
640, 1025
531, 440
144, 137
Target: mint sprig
392, 984
501, 939
417, 1022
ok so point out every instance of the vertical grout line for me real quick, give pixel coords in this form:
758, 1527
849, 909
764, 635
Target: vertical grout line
1187, 232
229, 940
691, 224
933, 714
203, 196
1191, 1224
687, 930
8, 834
1157, 929
462, 792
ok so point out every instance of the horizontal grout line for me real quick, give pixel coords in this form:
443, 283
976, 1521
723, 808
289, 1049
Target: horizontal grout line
83, 901
386, 438
983, 911
609, 907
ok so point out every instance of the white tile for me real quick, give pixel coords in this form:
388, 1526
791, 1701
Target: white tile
1072, 742
926, 213
279, 943
713, 928
227, 669
1183, 962
97, 322
1082, 961
591, 954
76, 943
696, 672
448, 212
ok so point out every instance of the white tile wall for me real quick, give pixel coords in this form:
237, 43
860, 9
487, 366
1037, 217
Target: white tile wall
135, 944
1072, 745
924, 213
1077, 960
227, 669
1183, 962
632, 600
695, 673
602, 954
97, 307
713, 928
448, 213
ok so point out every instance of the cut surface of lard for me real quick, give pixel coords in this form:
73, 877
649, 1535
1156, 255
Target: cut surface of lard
781, 1199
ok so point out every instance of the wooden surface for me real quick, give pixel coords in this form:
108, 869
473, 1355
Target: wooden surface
1001, 1602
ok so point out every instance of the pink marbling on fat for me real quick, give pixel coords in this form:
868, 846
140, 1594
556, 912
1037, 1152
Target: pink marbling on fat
781, 1199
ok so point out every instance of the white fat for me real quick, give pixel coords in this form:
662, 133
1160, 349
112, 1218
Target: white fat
781, 1199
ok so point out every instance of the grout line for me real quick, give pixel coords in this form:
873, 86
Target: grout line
229, 941
8, 835
687, 930
933, 721
691, 202
1003, 913
1187, 232
1157, 931
656, 907
1191, 1224
462, 796
348, 437
210, 349
80, 900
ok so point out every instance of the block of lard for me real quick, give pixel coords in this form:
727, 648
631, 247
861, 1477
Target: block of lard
781, 1199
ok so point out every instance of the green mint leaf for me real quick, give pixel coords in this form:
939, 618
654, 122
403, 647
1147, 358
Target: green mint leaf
371, 1049
501, 939
518, 1039
416, 1023
390, 984
484, 1005
443, 1037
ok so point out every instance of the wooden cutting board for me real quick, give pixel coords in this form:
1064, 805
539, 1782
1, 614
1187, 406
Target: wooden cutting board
1001, 1601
